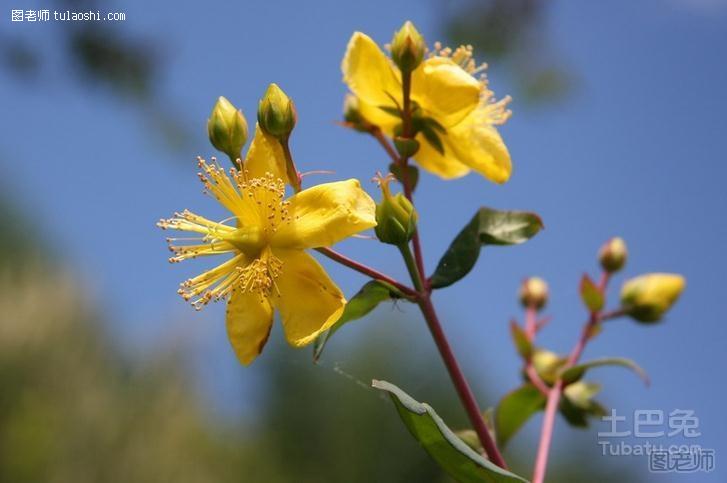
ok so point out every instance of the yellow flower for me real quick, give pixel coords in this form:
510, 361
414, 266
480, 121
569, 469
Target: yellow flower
266, 237
454, 110
648, 297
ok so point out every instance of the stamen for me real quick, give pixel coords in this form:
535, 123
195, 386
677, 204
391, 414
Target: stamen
462, 56
238, 193
259, 276
268, 193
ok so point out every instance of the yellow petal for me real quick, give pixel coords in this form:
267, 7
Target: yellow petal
265, 156
369, 73
249, 320
446, 165
444, 90
477, 144
308, 300
325, 214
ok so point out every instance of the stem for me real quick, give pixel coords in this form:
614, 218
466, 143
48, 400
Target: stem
531, 328
412, 267
554, 395
416, 271
379, 136
403, 162
450, 361
366, 270
460, 382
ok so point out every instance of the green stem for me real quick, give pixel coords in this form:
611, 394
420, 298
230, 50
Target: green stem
415, 265
411, 266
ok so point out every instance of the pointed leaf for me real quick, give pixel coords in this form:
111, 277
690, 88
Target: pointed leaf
520, 339
487, 227
573, 374
450, 452
370, 295
515, 409
590, 294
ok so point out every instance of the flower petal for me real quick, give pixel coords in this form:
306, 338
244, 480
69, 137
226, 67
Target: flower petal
308, 300
446, 165
265, 156
369, 73
477, 144
249, 320
444, 90
378, 117
325, 214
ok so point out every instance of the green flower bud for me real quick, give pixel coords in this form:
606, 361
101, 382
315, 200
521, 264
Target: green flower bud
396, 217
648, 297
547, 364
408, 48
227, 128
276, 112
613, 255
534, 293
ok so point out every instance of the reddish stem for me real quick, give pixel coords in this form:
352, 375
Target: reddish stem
460, 382
366, 270
555, 393
531, 328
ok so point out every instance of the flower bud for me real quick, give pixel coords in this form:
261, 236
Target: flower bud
648, 297
534, 293
227, 128
396, 218
547, 364
408, 48
276, 112
613, 255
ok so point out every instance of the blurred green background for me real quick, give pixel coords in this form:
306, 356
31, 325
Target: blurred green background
84, 395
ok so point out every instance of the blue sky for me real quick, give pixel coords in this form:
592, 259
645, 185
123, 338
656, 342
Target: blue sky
636, 150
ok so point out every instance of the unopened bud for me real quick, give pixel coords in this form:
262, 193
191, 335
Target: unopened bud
547, 364
227, 128
534, 293
396, 218
408, 48
648, 297
613, 255
276, 112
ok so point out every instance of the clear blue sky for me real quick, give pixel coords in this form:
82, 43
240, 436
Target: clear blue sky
636, 150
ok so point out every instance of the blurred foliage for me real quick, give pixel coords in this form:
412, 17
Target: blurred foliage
72, 409
513, 34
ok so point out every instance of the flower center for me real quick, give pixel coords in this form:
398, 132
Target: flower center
250, 240
259, 276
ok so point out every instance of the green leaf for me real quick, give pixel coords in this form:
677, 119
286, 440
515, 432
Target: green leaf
573, 374
450, 452
412, 173
590, 294
515, 409
433, 138
577, 404
522, 343
487, 227
370, 295
390, 110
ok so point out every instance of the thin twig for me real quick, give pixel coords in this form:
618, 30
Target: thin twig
366, 270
